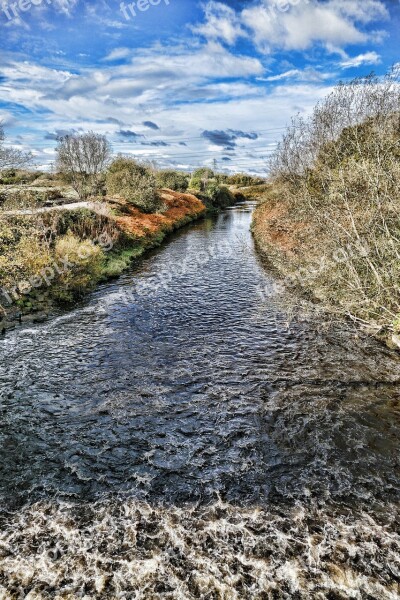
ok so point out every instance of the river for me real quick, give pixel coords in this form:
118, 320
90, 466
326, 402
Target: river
174, 436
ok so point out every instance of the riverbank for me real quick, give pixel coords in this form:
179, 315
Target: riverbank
329, 222
56, 256
308, 266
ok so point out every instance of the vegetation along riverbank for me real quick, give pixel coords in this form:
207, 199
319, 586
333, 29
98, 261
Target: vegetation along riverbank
329, 219
61, 234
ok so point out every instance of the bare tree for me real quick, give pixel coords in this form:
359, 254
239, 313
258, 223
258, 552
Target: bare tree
12, 158
83, 159
349, 104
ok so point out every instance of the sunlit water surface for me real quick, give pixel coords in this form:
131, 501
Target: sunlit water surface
175, 437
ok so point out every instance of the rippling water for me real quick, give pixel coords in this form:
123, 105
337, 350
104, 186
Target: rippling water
173, 437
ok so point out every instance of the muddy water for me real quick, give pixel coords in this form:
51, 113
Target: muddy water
173, 437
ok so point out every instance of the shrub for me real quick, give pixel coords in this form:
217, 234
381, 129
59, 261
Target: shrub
173, 180
222, 178
84, 223
47, 180
86, 259
18, 176
24, 197
220, 195
23, 253
212, 192
134, 182
209, 188
216, 197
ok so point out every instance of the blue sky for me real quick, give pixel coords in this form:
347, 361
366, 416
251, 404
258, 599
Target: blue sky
182, 82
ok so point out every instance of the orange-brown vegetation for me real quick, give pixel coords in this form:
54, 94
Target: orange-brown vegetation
271, 229
179, 208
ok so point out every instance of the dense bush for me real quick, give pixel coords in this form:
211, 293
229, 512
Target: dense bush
23, 252
134, 182
216, 197
46, 180
220, 195
84, 224
208, 187
221, 178
202, 177
19, 198
31, 245
173, 180
337, 177
87, 260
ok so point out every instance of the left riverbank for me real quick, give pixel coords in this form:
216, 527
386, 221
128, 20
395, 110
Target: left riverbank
54, 257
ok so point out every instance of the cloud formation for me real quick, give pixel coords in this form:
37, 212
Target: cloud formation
129, 135
307, 74
369, 58
221, 23
151, 125
227, 139
294, 25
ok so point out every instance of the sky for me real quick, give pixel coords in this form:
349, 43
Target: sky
181, 82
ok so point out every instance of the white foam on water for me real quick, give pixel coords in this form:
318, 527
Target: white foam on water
126, 549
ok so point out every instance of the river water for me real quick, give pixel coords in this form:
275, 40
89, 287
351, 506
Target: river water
177, 437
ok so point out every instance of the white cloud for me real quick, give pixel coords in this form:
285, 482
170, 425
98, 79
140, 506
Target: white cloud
66, 6
295, 24
221, 23
307, 74
364, 12
189, 87
7, 118
369, 58
100, 13
118, 54
146, 81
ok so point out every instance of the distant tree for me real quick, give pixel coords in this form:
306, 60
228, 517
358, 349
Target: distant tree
173, 180
243, 179
201, 178
12, 158
82, 159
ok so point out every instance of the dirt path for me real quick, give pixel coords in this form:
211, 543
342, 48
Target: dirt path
38, 211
